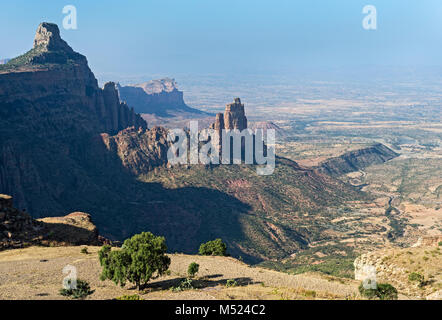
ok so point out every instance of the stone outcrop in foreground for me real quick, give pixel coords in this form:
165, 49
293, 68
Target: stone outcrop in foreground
18, 229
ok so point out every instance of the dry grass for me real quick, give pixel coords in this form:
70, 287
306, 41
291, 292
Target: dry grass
36, 273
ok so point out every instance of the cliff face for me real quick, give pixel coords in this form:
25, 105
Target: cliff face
357, 160
158, 97
52, 72
234, 117
139, 150
51, 113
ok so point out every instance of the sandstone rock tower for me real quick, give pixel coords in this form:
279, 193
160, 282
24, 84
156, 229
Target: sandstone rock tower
234, 117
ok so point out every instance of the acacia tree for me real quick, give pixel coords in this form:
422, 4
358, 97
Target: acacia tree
213, 248
136, 262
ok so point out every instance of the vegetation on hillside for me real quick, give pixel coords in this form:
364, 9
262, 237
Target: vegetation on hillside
136, 262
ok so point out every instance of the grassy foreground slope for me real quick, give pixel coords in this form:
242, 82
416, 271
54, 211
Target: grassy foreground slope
36, 273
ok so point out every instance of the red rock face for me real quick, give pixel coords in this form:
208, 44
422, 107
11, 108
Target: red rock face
234, 116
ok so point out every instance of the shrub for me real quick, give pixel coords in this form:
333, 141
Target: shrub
84, 250
186, 284
136, 262
193, 269
213, 248
440, 243
128, 297
80, 292
415, 277
384, 291
231, 283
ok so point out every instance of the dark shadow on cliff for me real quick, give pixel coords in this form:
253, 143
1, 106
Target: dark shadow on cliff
82, 175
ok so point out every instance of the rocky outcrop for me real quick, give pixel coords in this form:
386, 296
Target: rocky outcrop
234, 116
76, 228
139, 150
18, 229
394, 266
357, 160
429, 241
157, 97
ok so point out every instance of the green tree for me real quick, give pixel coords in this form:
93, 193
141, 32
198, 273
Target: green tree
213, 248
383, 291
193, 269
136, 262
81, 291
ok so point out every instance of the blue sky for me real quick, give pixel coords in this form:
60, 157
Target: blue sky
212, 36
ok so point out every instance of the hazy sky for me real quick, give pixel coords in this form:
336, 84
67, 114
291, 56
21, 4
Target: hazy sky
213, 36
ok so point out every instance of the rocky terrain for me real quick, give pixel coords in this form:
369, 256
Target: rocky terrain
157, 97
395, 265
357, 160
18, 229
68, 145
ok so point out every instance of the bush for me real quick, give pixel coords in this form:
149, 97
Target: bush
80, 292
231, 283
415, 277
440, 243
132, 297
213, 248
136, 262
186, 284
384, 291
193, 269
84, 250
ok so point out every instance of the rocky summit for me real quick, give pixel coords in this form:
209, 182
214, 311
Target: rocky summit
233, 118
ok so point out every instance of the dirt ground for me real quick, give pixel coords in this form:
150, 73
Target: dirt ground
36, 273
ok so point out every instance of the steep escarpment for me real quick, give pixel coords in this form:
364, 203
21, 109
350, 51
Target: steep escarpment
157, 97
67, 145
357, 160
51, 111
